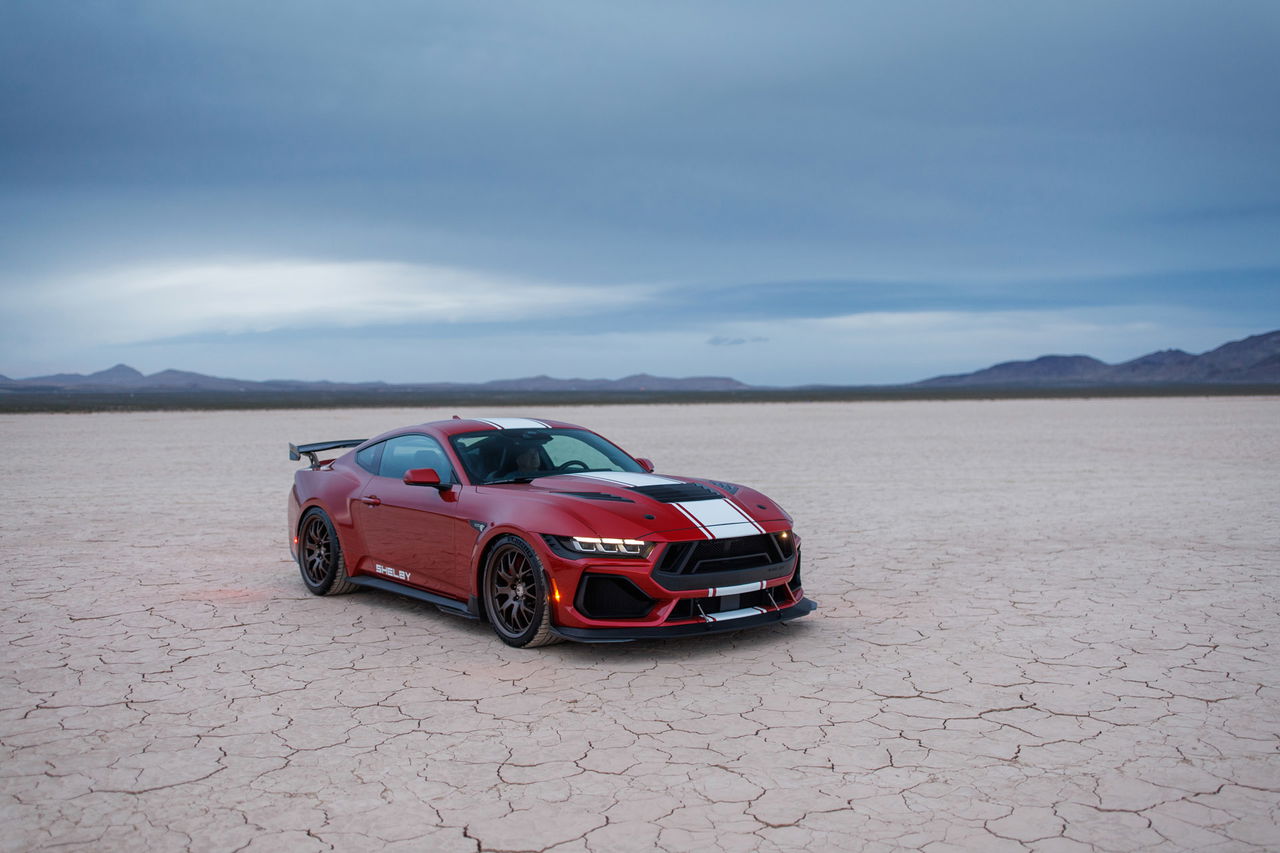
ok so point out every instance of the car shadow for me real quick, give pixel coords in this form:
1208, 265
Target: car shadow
689, 648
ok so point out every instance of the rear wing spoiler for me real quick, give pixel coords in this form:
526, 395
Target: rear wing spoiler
297, 451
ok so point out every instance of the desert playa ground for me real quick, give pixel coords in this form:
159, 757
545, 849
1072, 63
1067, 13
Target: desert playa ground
1043, 625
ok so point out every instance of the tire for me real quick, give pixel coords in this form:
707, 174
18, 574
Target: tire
320, 559
515, 595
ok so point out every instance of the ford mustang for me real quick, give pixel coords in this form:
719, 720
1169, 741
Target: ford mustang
546, 530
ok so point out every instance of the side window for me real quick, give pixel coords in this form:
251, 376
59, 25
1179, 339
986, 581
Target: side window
413, 451
369, 457
473, 450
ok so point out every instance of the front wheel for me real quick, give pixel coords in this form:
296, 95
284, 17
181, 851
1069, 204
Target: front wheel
515, 595
324, 570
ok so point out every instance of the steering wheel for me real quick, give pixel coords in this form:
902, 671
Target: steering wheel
579, 464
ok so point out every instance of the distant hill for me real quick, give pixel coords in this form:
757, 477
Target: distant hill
1254, 359
123, 378
638, 382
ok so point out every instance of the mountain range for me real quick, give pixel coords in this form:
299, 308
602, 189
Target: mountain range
123, 378
1253, 360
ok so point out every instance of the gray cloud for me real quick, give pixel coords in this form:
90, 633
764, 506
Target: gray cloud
722, 341
958, 157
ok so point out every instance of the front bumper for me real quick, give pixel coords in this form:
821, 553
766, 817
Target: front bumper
685, 587
684, 629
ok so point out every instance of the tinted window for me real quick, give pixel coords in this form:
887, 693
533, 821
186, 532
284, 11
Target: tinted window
368, 458
562, 449
496, 455
404, 452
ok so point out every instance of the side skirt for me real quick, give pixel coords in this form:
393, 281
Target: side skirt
446, 605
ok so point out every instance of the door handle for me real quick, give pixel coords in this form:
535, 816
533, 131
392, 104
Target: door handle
371, 500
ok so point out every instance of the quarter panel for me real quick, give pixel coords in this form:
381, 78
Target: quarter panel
333, 489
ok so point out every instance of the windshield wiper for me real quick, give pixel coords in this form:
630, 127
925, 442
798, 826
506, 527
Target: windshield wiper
510, 480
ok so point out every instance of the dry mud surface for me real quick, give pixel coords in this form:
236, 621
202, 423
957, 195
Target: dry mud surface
1044, 625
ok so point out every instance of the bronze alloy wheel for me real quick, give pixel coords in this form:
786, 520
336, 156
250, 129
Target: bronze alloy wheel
324, 571
515, 594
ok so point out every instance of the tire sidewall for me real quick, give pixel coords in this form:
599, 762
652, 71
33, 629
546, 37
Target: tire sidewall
335, 558
540, 591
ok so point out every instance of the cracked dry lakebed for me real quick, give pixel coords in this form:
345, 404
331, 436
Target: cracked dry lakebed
1045, 625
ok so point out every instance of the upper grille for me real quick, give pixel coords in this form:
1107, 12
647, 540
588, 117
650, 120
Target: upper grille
721, 555
678, 492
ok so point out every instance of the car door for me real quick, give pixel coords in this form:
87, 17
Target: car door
411, 532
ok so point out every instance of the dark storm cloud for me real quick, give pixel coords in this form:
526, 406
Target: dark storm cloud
847, 157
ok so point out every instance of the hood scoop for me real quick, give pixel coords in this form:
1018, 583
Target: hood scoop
678, 492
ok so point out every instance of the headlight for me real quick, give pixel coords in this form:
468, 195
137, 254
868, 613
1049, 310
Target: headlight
606, 547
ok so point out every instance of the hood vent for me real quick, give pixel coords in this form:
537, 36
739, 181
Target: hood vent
598, 496
678, 493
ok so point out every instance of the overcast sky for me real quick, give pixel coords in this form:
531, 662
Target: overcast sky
844, 192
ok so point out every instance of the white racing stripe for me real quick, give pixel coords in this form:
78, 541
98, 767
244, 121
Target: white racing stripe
514, 423
704, 531
627, 478
719, 519
733, 614
735, 590
746, 516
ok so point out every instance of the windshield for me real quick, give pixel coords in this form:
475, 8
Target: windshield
519, 455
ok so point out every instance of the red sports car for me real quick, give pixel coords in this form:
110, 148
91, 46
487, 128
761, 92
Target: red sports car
545, 529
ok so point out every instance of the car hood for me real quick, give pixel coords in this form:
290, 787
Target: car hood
633, 505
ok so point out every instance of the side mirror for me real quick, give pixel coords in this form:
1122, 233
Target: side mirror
646, 464
423, 477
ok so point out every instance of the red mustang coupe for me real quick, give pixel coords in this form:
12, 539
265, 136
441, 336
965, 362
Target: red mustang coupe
545, 529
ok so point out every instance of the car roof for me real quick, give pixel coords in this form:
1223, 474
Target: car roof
458, 425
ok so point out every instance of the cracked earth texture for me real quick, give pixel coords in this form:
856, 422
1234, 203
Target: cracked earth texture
1043, 625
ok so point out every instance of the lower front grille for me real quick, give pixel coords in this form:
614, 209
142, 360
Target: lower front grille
765, 599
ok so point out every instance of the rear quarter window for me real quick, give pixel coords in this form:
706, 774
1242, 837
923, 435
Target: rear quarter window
369, 457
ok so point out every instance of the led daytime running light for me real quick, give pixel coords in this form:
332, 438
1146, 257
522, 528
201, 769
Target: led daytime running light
596, 545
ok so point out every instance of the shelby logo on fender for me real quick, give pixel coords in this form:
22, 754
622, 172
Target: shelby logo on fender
390, 572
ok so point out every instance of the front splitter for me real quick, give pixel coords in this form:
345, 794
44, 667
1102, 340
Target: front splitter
689, 629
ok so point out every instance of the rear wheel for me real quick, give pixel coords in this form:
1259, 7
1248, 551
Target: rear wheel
515, 595
324, 570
